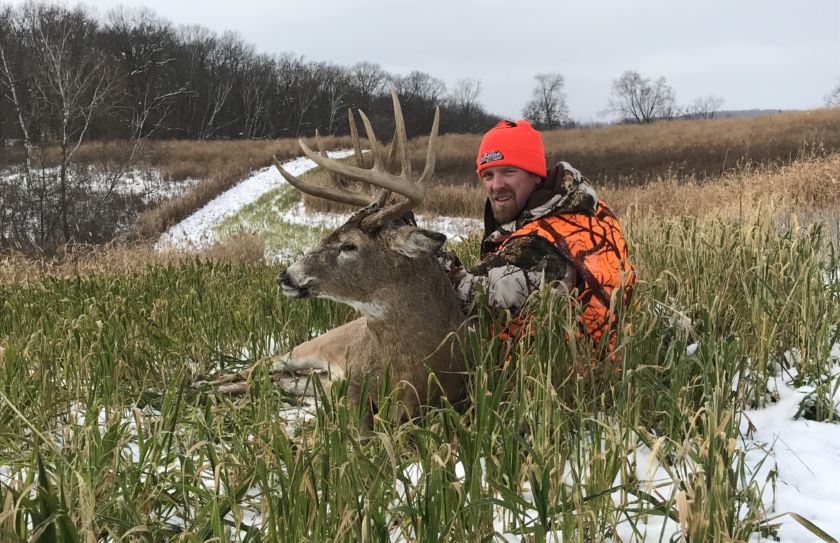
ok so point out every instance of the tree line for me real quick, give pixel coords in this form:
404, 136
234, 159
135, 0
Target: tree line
66, 75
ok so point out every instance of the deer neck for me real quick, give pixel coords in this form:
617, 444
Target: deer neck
424, 302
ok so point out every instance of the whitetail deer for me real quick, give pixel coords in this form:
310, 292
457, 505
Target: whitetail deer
386, 269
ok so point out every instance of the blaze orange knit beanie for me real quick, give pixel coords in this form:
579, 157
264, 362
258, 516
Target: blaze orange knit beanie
512, 144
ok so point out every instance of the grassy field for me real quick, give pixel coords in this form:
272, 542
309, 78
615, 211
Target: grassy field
104, 435
109, 432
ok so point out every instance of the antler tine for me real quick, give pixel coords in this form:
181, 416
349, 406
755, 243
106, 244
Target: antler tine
341, 196
354, 136
392, 156
335, 180
400, 138
374, 143
429, 169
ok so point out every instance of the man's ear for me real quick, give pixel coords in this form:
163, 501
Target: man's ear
413, 242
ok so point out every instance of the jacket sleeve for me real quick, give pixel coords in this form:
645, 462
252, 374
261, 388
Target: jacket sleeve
509, 276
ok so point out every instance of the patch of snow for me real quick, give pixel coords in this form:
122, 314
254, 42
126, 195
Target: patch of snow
149, 185
806, 458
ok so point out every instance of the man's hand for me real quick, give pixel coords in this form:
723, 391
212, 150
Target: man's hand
453, 267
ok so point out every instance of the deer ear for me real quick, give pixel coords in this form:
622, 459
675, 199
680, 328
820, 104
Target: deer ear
413, 242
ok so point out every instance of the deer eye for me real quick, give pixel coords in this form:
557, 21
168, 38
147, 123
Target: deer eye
347, 248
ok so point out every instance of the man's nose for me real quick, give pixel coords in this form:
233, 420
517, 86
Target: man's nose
493, 182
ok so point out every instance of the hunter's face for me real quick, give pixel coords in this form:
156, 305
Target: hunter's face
508, 189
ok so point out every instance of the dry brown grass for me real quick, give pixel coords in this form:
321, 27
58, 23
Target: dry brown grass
805, 186
120, 259
636, 154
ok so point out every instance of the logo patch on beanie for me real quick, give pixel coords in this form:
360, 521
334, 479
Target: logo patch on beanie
490, 156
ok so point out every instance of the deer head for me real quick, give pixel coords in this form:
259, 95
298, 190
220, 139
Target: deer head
360, 262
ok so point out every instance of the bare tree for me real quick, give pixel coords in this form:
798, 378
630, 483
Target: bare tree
67, 81
307, 83
636, 98
15, 206
368, 79
419, 85
23, 108
704, 107
254, 91
141, 46
547, 108
466, 92
464, 101
832, 99
225, 64
335, 88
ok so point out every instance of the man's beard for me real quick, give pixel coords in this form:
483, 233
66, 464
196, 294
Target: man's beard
504, 213
503, 216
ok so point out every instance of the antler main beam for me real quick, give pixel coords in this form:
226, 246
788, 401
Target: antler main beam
336, 195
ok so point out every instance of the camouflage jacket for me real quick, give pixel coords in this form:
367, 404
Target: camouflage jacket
509, 272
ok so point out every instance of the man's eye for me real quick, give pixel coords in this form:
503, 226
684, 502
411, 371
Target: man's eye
347, 248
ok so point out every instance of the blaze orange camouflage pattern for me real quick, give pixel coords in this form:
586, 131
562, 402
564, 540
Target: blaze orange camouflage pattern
594, 245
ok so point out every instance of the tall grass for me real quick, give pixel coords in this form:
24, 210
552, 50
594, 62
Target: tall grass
104, 434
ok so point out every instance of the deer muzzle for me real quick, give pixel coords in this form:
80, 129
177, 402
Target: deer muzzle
293, 287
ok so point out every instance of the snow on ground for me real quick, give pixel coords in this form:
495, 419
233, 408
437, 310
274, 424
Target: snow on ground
454, 227
806, 457
149, 185
198, 230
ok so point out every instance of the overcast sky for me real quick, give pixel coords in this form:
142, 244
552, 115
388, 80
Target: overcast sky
768, 54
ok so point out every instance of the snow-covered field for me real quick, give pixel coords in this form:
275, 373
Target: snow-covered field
805, 456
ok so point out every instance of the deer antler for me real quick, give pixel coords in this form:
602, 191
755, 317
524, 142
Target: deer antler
340, 193
377, 174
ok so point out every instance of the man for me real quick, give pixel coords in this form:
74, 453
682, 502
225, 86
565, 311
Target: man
543, 225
